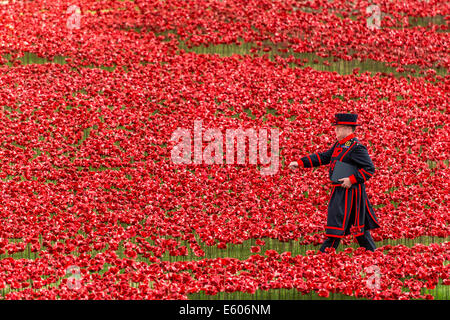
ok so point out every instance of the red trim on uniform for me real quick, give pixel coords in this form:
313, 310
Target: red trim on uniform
336, 151
318, 157
351, 203
362, 174
370, 213
334, 184
345, 212
354, 143
332, 191
355, 194
353, 179
333, 235
365, 171
350, 136
310, 161
356, 208
301, 164
336, 228
359, 203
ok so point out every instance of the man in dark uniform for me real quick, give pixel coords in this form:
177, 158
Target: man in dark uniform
349, 208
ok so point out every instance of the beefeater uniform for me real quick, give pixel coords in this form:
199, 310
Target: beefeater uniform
349, 210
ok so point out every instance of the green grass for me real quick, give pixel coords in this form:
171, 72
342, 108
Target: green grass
309, 59
242, 251
272, 294
440, 292
32, 58
426, 21
312, 59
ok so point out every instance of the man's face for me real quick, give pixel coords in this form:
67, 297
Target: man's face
342, 131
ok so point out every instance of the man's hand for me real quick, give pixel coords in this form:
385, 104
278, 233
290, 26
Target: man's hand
293, 165
345, 182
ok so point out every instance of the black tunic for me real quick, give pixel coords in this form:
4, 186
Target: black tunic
343, 202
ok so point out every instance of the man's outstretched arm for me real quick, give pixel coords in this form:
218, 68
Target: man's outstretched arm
314, 159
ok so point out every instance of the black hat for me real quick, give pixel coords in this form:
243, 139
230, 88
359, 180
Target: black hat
348, 119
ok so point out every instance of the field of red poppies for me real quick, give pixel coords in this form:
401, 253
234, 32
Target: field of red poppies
93, 207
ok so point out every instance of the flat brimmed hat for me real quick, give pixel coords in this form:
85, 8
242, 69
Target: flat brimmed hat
347, 119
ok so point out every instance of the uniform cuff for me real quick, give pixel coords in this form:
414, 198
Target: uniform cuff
301, 164
352, 179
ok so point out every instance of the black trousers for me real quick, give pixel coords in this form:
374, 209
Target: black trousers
365, 241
